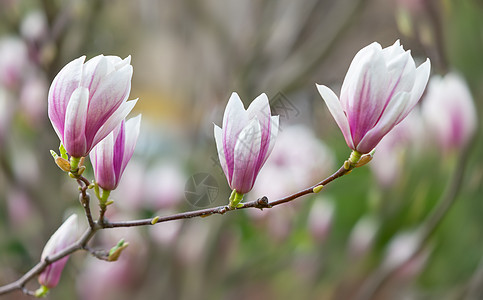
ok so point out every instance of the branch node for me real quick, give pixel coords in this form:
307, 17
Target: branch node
263, 203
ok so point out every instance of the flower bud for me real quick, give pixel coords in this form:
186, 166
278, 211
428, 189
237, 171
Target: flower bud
246, 140
111, 156
61, 239
89, 100
381, 87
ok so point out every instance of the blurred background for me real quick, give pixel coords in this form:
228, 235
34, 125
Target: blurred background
407, 226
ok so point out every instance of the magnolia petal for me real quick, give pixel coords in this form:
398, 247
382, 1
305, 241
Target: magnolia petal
63, 85
335, 108
113, 121
234, 120
260, 108
61, 239
421, 80
274, 125
95, 69
106, 98
104, 168
397, 109
133, 126
221, 151
366, 98
358, 65
75, 122
246, 154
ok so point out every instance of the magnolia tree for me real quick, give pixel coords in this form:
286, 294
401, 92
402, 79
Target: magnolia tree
88, 106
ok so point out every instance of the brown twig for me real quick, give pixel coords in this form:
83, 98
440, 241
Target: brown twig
84, 199
81, 244
260, 203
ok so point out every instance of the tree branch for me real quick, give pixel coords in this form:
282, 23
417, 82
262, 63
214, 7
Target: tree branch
81, 244
260, 203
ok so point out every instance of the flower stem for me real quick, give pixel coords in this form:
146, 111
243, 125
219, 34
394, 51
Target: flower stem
235, 199
74, 164
355, 157
42, 291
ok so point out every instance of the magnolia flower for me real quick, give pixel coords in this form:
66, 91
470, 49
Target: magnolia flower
110, 157
61, 239
380, 88
246, 140
88, 100
449, 111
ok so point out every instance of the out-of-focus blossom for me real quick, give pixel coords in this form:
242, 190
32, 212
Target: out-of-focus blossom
449, 111
111, 156
392, 151
13, 61
167, 233
246, 140
34, 26
164, 186
291, 168
88, 100
33, 98
400, 252
380, 88
362, 237
287, 170
61, 239
19, 207
413, 6
320, 219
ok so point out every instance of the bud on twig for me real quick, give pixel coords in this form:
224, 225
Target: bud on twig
115, 251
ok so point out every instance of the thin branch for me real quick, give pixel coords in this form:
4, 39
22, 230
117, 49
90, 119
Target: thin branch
39, 267
81, 244
260, 203
84, 199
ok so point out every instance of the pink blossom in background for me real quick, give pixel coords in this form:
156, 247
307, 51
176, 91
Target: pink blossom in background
380, 88
290, 168
246, 140
19, 206
164, 185
33, 99
392, 152
449, 111
88, 100
362, 236
287, 170
399, 252
61, 239
13, 61
320, 219
110, 157
167, 233
34, 27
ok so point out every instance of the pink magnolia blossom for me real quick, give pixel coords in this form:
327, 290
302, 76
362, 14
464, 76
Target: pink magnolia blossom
111, 156
449, 111
246, 140
380, 88
61, 239
88, 100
